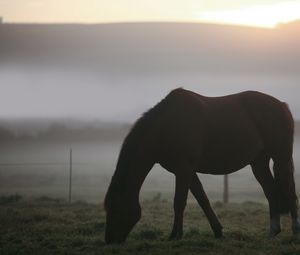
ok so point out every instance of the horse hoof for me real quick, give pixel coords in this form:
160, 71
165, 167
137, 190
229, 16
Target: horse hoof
218, 233
274, 232
296, 231
296, 227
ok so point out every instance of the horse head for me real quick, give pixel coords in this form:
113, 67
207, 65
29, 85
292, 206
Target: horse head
122, 213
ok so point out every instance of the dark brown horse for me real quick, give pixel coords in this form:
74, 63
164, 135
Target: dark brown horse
188, 133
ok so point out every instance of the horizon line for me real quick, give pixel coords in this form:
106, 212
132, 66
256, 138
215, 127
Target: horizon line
225, 24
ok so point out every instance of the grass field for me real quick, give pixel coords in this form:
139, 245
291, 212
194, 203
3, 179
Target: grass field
50, 226
42, 225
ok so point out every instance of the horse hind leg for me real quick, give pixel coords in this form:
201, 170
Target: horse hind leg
199, 193
285, 183
262, 173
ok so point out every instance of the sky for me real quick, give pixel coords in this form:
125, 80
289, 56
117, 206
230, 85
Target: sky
35, 94
265, 13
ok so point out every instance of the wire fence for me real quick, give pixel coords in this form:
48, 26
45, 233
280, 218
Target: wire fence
62, 179
65, 180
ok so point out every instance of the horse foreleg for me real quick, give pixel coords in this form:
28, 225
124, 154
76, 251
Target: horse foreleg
181, 193
199, 193
262, 173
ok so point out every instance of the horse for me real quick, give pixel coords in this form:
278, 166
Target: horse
188, 133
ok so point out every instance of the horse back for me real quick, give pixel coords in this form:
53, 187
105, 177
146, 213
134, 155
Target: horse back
209, 130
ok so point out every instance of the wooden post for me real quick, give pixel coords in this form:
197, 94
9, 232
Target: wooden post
225, 195
70, 177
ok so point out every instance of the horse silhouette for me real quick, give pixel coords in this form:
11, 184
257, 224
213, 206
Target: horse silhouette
188, 133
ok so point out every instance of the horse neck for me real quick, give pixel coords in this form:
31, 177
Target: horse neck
136, 158
131, 172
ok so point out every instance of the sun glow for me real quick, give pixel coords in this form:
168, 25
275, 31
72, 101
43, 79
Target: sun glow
268, 16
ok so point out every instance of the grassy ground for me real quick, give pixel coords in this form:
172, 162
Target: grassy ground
49, 226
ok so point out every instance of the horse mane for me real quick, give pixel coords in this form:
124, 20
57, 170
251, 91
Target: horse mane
141, 126
136, 133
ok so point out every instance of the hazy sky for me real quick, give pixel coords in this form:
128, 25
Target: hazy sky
266, 13
80, 95
61, 94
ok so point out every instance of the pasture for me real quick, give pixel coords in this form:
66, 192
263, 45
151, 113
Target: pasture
35, 223
51, 226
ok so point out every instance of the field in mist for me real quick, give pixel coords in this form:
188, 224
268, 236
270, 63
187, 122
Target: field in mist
38, 165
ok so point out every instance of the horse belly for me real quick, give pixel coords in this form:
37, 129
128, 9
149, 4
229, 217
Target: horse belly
221, 166
230, 154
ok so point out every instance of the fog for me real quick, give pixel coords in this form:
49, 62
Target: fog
36, 167
80, 87
81, 94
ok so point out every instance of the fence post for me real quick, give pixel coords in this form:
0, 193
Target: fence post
70, 176
225, 194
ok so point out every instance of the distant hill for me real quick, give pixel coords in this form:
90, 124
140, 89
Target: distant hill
64, 131
34, 130
148, 48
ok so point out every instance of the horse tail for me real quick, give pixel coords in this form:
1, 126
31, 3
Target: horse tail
285, 186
